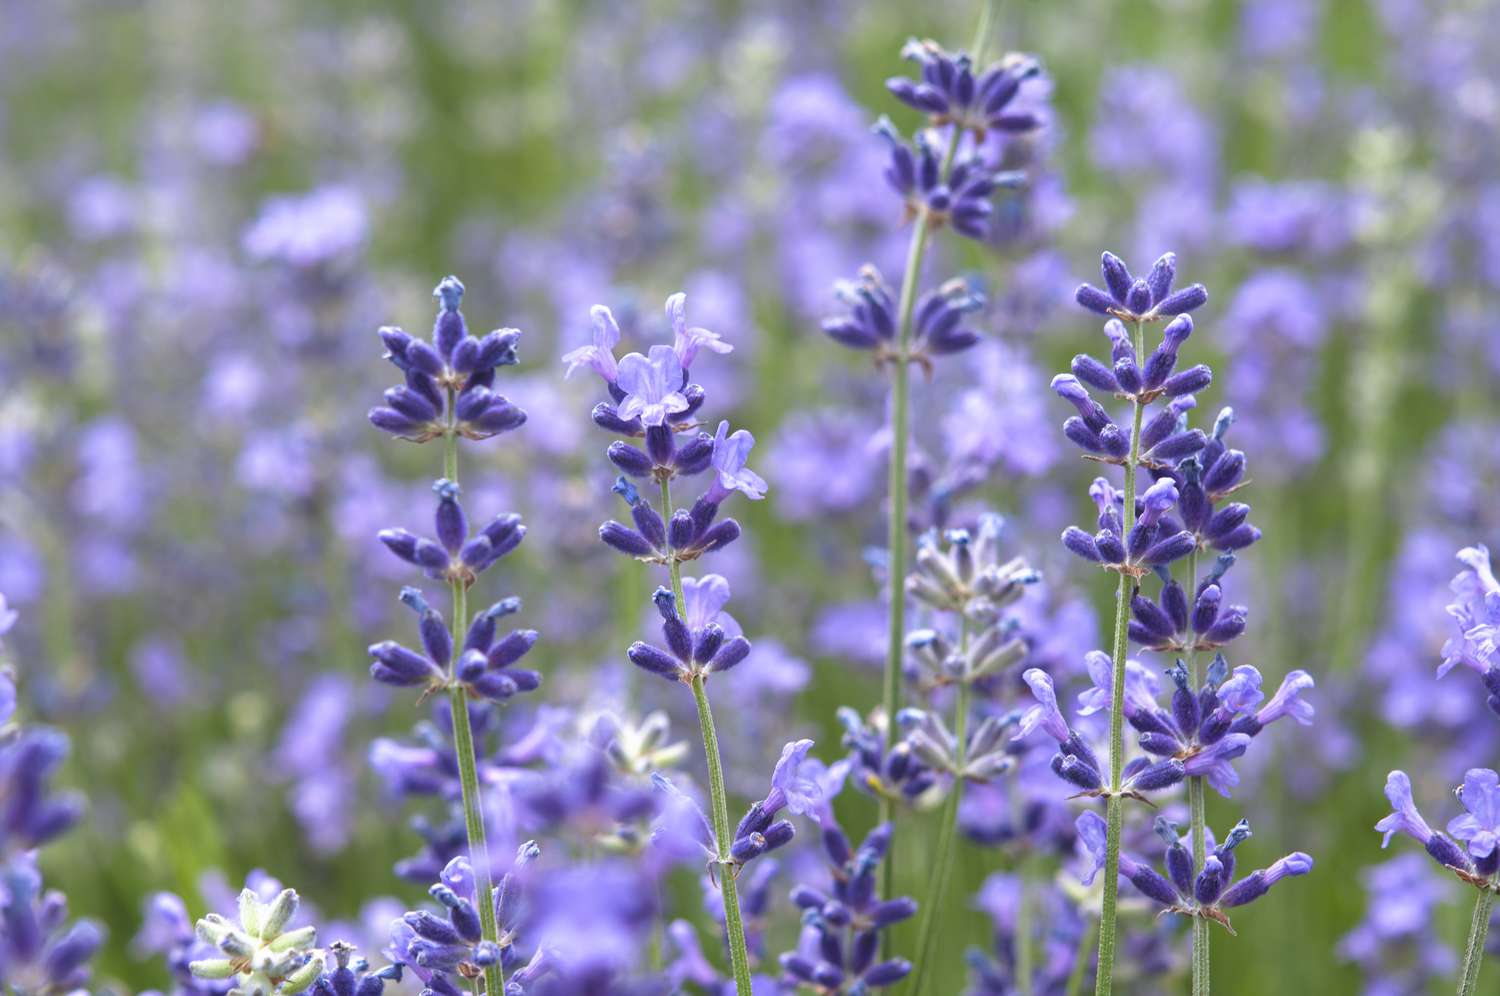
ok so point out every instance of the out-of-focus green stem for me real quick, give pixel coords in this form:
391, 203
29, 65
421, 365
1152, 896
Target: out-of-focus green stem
1081, 961
896, 538
932, 909
734, 925
1479, 928
463, 748
1114, 814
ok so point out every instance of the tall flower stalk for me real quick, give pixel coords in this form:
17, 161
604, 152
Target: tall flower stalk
968, 585
447, 395
938, 189
651, 400
1213, 716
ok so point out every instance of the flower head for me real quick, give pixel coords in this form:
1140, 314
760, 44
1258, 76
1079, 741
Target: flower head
652, 386
731, 451
1480, 826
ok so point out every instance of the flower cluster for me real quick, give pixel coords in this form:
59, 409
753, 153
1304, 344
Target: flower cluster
1476, 613
445, 949
873, 322
259, 951
1477, 830
840, 950
448, 381
1203, 890
950, 92
960, 198
1212, 718
485, 665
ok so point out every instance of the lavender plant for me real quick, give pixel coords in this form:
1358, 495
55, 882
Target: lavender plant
1471, 847
652, 400
938, 189
1180, 515
448, 394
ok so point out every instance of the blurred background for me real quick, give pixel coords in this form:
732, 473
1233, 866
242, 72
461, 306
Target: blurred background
206, 210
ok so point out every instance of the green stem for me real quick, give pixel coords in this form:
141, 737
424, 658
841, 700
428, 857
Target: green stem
725, 870
463, 748
1081, 963
1479, 928
896, 485
1114, 813
1197, 807
932, 909
1024, 967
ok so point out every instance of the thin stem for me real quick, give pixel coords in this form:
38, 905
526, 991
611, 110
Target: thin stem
1081, 961
1024, 968
1479, 928
896, 485
932, 909
725, 870
1114, 813
1197, 807
463, 748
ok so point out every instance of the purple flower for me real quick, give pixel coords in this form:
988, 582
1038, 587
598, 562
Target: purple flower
1147, 299
1404, 817
652, 387
1480, 827
730, 473
687, 341
705, 599
1141, 686
949, 91
600, 357
1476, 613
1045, 715
1091, 830
1288, 701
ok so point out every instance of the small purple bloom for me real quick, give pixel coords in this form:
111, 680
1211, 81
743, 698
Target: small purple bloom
600, 357
1045, 714
652, 387
1404, 817
1288, 700
687, 341
1480, 826
731, 451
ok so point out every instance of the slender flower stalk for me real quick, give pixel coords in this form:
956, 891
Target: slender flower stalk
1479, 928
463, 747
931, 908
651, 399
447, 395
1114, 811
734, 925
915, 328
1197, 814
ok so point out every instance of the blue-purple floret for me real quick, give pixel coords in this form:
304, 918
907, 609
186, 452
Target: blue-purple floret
1203, 891
448, 382
960, 196
938, 320
844, 923
690, 653
950, 92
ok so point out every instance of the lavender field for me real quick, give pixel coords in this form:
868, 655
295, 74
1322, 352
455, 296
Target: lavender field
456, 461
